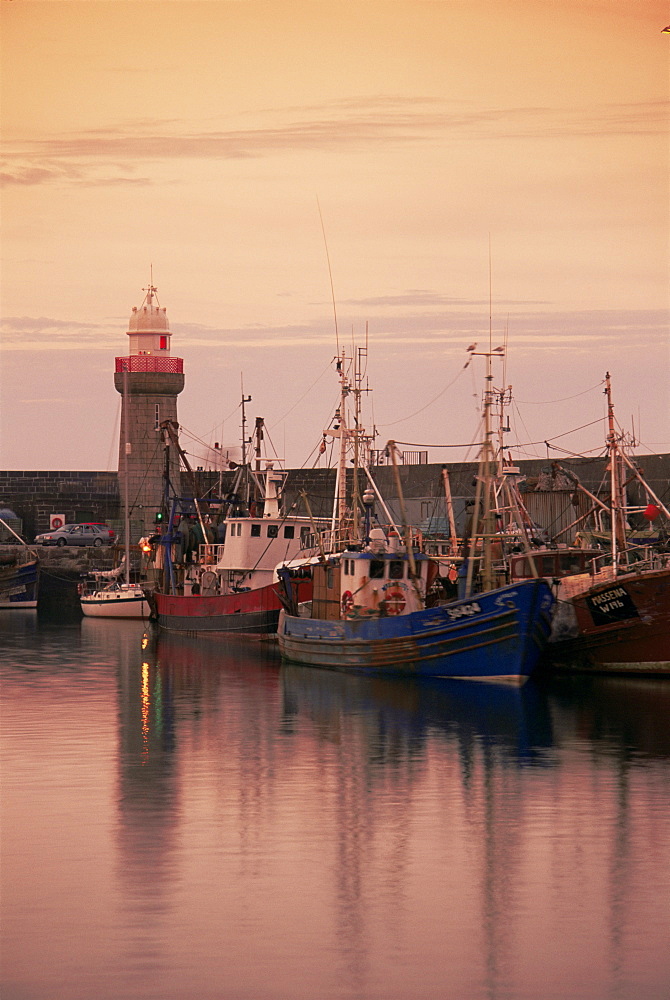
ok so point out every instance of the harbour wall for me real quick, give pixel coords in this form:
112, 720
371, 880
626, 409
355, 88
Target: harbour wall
547, 489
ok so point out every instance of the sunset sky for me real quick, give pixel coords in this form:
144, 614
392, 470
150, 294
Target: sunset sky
209, 140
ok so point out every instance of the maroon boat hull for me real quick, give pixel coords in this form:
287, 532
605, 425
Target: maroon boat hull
624, 625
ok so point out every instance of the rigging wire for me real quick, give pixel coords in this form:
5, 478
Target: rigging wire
574, 429
593, 452
521, 444
298, 401
222, 422
523, 423
543, 402
330, 275
266, 433
434, 400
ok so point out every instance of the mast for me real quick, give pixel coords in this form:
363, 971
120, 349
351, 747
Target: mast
483, 488
487, 578
616, 490
341, 430
356, 492
483, 492
245, 399
126, 452
171, 430
258, 437
453, 538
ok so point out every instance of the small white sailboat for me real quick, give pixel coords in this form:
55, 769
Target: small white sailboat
112, 595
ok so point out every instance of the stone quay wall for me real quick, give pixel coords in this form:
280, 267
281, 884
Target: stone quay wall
96, 496
80, 496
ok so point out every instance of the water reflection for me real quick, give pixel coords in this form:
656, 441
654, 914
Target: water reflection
402, 714
398, 728
262, 830
377, 745
148, 794
628, 714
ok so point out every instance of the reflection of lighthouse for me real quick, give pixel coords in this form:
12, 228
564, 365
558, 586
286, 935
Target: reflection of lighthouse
149, 381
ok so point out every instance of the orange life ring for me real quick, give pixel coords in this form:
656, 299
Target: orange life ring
395, 601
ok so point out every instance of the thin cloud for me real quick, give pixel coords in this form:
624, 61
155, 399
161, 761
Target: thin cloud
418, 297
446, 330
349, 126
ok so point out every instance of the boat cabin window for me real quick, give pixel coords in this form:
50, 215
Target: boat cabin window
523, 568
255, 530
396, 569
305, 537
561, 564
273, 530
571, 562
377, 569
548, 566
289, 531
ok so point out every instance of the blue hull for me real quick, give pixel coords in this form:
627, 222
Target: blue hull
19, 585
497, 636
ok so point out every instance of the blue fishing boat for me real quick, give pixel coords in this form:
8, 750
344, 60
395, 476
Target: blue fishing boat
19, 574
375, 607
494, 636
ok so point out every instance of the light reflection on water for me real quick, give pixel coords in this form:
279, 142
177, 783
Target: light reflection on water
185, 821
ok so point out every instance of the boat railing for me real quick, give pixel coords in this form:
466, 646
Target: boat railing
635, 559
343, 538
209, 553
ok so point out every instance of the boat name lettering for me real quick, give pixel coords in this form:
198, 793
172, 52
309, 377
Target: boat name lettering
465, 610
609, 595
610, 606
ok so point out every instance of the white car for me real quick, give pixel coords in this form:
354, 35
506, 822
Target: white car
78, 534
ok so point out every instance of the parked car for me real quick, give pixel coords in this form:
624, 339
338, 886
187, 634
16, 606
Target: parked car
78, 534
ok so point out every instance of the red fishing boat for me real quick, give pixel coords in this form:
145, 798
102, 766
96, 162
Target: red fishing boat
215, 563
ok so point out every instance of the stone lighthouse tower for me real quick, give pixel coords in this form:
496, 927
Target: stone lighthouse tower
149, 380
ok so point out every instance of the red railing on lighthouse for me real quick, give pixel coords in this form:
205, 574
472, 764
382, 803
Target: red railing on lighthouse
150, 363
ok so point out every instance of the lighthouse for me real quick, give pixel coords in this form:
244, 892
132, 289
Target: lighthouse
149, 380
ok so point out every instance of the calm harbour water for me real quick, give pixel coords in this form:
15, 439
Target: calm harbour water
184, 820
